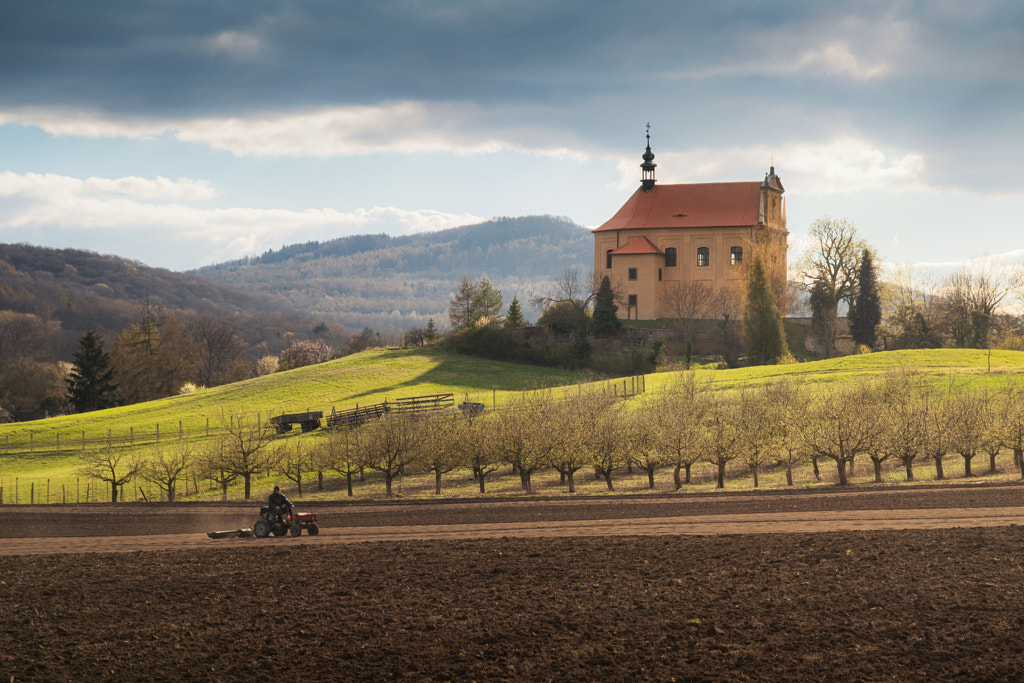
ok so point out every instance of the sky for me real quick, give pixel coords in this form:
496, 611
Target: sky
186, 133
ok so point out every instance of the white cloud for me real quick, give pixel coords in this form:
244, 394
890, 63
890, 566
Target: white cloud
161, 207
241, 46
395, 128
842, 165
837, 59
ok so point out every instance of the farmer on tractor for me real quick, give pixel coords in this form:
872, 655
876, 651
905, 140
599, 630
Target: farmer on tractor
279, 503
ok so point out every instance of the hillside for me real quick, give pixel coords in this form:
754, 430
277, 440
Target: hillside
83, 291
393, 283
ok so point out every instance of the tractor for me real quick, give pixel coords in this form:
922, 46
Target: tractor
283, 520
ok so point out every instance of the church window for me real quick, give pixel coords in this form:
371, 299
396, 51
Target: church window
608, 259
670, 257
703, 256
632, 273
735, 256
632, 301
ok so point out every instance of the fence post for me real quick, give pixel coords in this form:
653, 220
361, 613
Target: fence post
58, 442
158, 432
108, 439
131, 436
207, 426
179, 430
83, 439
32, 494
30, 441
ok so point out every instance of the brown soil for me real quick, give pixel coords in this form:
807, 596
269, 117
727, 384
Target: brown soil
902, 584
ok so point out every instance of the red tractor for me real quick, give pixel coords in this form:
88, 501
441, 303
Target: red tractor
282, 520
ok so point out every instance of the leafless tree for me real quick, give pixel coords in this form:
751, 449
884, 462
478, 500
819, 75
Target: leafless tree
294, 461
169, 465
760, 431
642, 439
967, 419
1013, 419
969, 303
575, 294
679, 413
244, 449
687, 302
721, 433
391, 444
605, 443
442, 450
579, 415
339, 450
835, 247
790, 405
219, 344
840, 425
115, 465
525, 436
903, 417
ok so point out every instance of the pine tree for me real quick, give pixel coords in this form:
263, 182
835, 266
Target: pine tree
89, 384
514, 318
430, 334
606, 319
766, 338
866, 311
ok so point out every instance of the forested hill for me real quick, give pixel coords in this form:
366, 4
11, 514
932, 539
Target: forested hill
79, 291
393, 283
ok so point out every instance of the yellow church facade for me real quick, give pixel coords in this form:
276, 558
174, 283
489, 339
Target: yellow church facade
668, 238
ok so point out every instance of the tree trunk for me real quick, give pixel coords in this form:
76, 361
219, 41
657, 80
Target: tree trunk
524, 480
967, 465
789, 474
721, 474
753, 469
1018, 459
939, 474
113, 492
437, 482
387, 483
908, 463
849, 472
814, 464
841, 470
687, 468
650, 477
607, 475
877, 464
247, 478
571, 480
675, 477
481, 479
319, 480
992, 463
348, 482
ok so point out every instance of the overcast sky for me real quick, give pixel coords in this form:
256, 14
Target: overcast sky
187, 133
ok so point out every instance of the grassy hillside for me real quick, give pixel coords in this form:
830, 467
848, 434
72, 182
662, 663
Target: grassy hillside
30, 449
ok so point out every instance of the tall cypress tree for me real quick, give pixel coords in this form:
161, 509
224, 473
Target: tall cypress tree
762, 322
606, 319
89, 384
865, 311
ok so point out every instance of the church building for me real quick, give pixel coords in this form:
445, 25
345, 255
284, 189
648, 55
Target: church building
667, 237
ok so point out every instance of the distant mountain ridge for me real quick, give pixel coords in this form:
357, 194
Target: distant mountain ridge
393, 283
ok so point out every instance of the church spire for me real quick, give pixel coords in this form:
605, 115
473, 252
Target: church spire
647, 178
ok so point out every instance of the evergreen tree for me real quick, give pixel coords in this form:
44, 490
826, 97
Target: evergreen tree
487, 301
865, 311
606, 319
514, 318
89, 384
430, 334
766, 338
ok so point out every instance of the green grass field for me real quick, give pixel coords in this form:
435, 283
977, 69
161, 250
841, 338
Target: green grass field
34, 453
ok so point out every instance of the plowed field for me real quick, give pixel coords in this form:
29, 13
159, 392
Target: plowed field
917, 584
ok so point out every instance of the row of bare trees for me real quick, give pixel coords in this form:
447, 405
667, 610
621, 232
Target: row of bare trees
903, 417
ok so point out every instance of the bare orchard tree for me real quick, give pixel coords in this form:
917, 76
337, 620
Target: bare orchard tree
678, 414
902, 415
339, 450
606, 443
479, 452
391, 444
721, 433
576, 294
210, 465
994, 435
969, 303
790, 409
687, 302
727, 309
641, 438
294, 461
244, 449
578, 414
441, 451
1013, 419
840, 425
114, 465
525, 435
967, 418
169, 465
936, 434
760, 429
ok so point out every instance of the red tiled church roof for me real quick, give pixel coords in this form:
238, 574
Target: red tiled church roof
638, 245
689, 206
